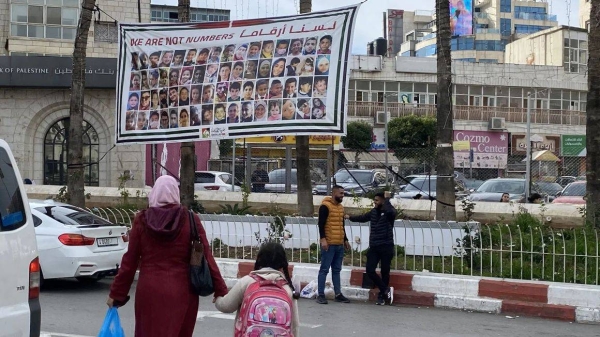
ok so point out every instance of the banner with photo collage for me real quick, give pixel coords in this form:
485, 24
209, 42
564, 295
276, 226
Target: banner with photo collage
217, 80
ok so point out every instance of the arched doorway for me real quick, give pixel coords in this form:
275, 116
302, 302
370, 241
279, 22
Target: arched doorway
56, 150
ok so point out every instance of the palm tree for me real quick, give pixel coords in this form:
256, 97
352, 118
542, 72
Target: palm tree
445, 209
304, 194
75, 169
593, 118
187, 149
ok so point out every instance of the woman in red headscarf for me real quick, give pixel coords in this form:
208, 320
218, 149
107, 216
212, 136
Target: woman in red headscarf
160, 246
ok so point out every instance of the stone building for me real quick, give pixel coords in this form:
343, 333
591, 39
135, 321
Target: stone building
35, 66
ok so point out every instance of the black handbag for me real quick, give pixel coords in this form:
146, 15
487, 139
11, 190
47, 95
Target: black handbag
200, 277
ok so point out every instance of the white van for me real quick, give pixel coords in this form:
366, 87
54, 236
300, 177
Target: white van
19, 264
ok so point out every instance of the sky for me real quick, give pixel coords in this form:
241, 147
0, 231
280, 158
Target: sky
370, 18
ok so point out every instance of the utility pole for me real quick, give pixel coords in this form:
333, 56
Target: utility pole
528, 149
187, 149
593, 118
304, 194
445, 194
75, 167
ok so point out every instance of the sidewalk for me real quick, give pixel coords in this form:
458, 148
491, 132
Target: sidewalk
562, 301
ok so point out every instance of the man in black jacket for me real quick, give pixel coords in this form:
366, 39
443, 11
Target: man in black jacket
381, 244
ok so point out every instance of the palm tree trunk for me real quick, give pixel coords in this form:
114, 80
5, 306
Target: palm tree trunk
445, 209
75, 169
593, 118
304, 194
187, 149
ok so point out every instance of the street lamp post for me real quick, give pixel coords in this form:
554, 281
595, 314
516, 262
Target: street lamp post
387, 173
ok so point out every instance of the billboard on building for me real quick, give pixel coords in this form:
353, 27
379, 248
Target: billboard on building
573, 146
201, 81
395, 30
461, 17
490, 149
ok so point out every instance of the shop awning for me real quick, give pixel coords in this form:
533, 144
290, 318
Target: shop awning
544, 155
372, 157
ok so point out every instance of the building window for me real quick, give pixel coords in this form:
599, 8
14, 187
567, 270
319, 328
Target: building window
50, 19
106, 32
56, 149
505, 6
575, 55
505, 27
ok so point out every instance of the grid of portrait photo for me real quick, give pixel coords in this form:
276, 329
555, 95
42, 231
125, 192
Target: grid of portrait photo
262, 81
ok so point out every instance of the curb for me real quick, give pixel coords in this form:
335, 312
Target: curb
561, 301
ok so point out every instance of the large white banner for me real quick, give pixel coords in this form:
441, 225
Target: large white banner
274, 76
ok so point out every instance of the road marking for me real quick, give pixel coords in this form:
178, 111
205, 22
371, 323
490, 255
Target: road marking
217, 314
56, 334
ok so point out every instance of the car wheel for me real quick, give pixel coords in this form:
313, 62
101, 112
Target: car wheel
88, 279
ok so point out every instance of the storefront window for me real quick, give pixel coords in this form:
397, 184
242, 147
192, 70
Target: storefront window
56, 150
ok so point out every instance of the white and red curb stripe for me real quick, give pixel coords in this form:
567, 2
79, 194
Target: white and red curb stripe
563, 301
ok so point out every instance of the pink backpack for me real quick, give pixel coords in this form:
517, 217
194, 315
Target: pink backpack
266, 310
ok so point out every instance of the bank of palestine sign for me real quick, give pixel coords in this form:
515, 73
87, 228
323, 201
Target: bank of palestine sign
274, 76
573, 146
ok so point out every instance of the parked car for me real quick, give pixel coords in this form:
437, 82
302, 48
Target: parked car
20, 311
73, 242
215, 181
574, 193
277, 181
565, 180
355, 182
547, 189
491, 190
473, 184
425, 187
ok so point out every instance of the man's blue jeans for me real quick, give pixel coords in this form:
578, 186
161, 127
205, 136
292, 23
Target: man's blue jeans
331, 258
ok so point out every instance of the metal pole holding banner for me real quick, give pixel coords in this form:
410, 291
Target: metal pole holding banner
528, 149
233, 166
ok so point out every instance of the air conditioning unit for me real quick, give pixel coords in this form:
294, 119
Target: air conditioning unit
497, 123
380, 117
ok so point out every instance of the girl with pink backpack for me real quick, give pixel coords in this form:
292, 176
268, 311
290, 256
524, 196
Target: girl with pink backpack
265, 300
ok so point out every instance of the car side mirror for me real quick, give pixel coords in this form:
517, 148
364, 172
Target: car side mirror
558, 194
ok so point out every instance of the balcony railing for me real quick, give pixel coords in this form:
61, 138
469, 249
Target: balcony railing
471, 113
535, 16
487, 31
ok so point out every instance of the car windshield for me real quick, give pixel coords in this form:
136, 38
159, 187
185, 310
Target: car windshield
574, 190
502, 186
422, 184
73, 216
362, 177
204, 178
549, 188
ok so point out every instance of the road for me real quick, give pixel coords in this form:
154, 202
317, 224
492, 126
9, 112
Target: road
72, 309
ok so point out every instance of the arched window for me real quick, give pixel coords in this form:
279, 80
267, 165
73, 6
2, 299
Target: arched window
56, 150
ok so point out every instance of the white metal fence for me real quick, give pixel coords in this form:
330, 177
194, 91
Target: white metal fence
499, 250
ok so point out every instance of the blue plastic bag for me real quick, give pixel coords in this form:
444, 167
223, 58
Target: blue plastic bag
112, 325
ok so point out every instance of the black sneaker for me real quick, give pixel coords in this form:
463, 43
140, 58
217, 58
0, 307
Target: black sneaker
380, 301
321, 299
389, 296
341, 298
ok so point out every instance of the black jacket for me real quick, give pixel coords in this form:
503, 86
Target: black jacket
382, 224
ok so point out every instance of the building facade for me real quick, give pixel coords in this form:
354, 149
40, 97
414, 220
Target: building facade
35, 67
489, 99
585, 7
495, 24
560, 46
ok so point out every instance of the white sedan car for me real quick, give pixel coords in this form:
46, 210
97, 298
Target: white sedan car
214, 181
75, 243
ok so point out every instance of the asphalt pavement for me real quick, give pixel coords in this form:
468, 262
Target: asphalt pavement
73, 309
